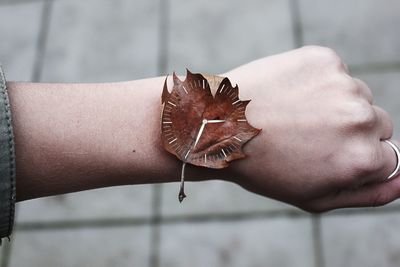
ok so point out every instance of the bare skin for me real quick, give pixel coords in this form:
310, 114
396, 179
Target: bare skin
321, 146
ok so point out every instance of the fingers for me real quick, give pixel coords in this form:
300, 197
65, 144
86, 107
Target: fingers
380, 156
393, 166
384, 130
389, 158
384, 165
384, 123
371, 195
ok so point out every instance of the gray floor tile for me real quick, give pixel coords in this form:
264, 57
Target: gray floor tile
215, 36
114, 202
215, 197
385, 87
362, 31
5, 252
19, 29
361, 240
86, 247
276, 242
100, 40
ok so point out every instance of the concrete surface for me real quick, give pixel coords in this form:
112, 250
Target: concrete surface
100, 40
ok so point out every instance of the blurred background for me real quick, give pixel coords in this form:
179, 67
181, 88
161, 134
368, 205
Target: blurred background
219, 224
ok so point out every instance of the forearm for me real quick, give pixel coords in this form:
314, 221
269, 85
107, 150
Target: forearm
72, 137
321, 146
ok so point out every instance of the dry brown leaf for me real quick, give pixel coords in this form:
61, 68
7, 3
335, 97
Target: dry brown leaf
185, 108
201, 128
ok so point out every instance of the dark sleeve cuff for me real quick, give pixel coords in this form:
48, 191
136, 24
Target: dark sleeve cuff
7, 163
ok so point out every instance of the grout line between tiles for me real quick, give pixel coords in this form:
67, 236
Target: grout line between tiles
176, 219
155, 222
155, 238
5, 253
163, 37
296, 23
17, 2
42, 40
317, 240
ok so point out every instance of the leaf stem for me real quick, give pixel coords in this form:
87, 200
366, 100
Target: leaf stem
182, 195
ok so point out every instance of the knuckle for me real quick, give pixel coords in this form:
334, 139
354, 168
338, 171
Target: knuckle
329, 55
365, 160
345, 84
361, 115
387, 122
390, 127
352, 86
388, 119
311, 48
322, 51
324, 56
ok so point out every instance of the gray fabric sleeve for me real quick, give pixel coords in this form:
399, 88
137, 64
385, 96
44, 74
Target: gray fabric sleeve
7, 163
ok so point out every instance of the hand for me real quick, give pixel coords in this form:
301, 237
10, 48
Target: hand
321, 146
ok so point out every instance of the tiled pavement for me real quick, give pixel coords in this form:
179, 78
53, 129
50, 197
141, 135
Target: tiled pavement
363, 240
100, 40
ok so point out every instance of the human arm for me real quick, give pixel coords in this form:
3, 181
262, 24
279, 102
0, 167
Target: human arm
320, 135
73, 137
